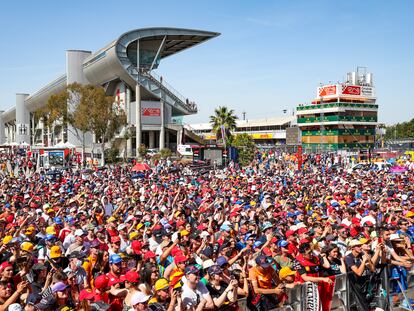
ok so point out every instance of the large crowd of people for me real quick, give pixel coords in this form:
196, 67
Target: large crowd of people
175, 238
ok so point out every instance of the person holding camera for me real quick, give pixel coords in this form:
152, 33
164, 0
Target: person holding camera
165, 298
224, 295
267, 290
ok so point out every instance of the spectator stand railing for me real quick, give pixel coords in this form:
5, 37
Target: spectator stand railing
342, 299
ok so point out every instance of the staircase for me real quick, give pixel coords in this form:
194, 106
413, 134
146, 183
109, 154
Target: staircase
180, 129
155, 84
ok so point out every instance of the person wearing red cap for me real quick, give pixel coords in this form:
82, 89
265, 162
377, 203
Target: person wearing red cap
101, 289
310, 269
131, 279
178, 265
292, 240
10, 296
115, 245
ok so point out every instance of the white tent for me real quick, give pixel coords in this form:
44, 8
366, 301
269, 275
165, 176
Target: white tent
69, 145
60, 145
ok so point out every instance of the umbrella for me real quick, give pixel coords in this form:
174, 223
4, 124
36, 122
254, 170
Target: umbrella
137, 176
141, 167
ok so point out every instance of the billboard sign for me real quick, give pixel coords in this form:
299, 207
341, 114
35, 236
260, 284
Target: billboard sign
351, 90
327, 90
367, 91
150, 113
345, 89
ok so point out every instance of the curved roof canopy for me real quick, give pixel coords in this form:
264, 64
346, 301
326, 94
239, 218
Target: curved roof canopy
154, 45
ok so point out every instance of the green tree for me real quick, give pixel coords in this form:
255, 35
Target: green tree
223, 117
104, 116
66, 108
165, 153
245, 146
400, 130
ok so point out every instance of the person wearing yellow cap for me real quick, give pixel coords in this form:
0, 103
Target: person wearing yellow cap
51, 230
164, 298
287, 276
30, 231
56, 259
26, 247
7, 239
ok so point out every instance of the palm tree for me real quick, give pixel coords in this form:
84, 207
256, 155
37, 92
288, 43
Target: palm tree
223, 117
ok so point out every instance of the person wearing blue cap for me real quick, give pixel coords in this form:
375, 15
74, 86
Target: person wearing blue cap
284, 259
115, 277
195, 295
265, 295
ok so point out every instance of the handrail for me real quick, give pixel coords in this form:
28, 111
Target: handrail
341, 298
161, 81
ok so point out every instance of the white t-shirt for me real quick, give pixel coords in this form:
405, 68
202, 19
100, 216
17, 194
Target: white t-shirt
192, 298
108, 207
368, 218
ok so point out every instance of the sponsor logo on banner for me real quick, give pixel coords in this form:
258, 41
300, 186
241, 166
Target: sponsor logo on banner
367, 91
327, 90
151, 112
351, 90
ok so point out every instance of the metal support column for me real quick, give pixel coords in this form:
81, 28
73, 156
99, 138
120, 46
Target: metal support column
128, 115
138, 125
162, 129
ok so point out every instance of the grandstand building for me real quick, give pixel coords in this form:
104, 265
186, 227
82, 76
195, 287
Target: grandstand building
265, 132
343, 116
150, 103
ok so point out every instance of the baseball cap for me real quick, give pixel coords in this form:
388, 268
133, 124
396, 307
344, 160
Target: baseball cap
7, 239
27, 246
180, 258
161, 284
191, 270
263, 261
59, 287
221, 261
285, 272
149, 254
131, 276
55, 252
4, 265
282, 243
39, 267
208, 263
139, 297
101, 281
15, 307
115, 239
79, 232
47, 302
50, 230
115, 259
86, 294
214, 270
136, 246
354, 243
76, 254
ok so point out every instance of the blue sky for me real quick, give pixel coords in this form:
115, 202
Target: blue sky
271, 55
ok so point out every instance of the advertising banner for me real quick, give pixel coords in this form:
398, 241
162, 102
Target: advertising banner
327, 90
351, 90
150, 113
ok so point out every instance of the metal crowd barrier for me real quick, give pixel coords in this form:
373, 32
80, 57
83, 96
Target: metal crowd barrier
341, 298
